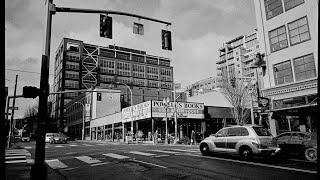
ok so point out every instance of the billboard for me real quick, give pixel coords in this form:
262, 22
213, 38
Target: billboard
136, 112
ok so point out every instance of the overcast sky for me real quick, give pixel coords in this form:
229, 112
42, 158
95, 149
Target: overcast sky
199, 28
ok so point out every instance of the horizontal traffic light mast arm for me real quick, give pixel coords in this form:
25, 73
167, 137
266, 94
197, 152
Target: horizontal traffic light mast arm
95, 11
74, 91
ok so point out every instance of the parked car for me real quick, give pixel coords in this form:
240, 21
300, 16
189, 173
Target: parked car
53, 138
247, 140
25, 137
298, 143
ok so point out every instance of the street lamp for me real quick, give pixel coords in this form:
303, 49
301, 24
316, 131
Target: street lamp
166, 105
131, 104
83, 111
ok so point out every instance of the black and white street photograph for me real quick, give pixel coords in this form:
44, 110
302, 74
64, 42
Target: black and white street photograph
159, 90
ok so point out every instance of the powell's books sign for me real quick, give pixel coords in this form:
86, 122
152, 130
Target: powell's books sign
264, 103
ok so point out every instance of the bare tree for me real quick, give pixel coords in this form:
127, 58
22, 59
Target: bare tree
32, 111
237, 92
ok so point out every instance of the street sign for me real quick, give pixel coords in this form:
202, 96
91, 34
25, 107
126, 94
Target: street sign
15, 108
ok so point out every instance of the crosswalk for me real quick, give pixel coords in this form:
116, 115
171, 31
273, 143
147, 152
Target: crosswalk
107, 158
65, 145
15, 156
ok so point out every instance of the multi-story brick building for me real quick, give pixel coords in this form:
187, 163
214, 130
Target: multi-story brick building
79, 65
288, 36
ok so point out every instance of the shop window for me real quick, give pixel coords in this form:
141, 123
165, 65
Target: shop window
299, 31
283, 73
304, 67
273, 8
278, 39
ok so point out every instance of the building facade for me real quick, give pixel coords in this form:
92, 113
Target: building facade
288, 36
201, 87
79, 65
236, 57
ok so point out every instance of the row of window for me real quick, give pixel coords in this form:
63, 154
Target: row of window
303, 67
71, 84
298, 32
275, 7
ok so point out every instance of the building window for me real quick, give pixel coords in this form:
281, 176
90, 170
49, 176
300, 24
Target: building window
299, 31
304, 67
72, 65
121, 55
283, 73
289, 4
278, 39
124, 69
137, 58
273, 8
138, 28
72, 75
71, 84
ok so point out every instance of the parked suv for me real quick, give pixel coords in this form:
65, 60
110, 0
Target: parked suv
247, 140
53, 138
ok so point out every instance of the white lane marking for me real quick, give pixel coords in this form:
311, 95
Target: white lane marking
15, 157
163, 155
88, 159
71, 153
117, 156
56, 164
27, 147
73, 145
149, 163
68, 169
300, 160
16, 161
59, 146
87, 145
185, 150
101, 144
168, 152
142, 153
99, 164
258, 164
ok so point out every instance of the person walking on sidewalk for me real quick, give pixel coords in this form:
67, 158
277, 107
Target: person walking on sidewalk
155, 137
193, 137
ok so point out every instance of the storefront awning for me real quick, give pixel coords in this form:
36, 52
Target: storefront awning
295, 107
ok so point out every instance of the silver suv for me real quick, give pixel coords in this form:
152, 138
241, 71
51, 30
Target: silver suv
247, 140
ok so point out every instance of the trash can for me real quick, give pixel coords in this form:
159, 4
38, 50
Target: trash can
129, 138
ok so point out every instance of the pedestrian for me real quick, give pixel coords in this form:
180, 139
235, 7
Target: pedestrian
156, 137
193, 137
149, 136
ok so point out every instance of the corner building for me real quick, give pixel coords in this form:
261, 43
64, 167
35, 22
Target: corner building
288, 35
79, 65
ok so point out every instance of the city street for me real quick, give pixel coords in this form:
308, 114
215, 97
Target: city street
101, 160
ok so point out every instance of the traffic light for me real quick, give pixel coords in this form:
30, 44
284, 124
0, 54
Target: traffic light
190, 92
105, 26
30, 92
166, 40
99, 97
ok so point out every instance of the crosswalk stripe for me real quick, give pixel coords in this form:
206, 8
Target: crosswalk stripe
27, 147
141, 153
87, 144
16, 161
73, 145
59, 146
16, 157
184, 150
56, 164
88, 159
101, 144
168, 152
117, 156
98, 164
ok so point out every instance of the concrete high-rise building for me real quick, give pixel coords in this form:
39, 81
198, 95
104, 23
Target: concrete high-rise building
201, 87
236, 57
288, 35
79, 65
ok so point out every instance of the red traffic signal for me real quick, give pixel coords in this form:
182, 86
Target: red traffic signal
30, 92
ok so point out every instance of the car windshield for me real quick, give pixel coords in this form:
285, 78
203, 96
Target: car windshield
261, 131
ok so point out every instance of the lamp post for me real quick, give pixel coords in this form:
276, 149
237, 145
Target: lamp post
83, 111
166, 105
131, 104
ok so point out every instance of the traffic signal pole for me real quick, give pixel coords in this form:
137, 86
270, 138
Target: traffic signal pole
39, 169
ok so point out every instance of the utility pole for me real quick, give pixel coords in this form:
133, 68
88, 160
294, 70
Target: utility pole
12, 112
39, 169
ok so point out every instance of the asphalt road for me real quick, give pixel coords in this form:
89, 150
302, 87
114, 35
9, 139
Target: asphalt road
95, 160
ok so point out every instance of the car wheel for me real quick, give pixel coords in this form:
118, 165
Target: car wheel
204, 148
310, 154
246, 152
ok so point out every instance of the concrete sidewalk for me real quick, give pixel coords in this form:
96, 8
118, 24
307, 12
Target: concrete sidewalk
21, 171
134, 143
